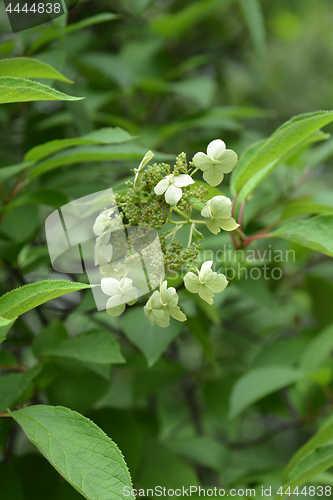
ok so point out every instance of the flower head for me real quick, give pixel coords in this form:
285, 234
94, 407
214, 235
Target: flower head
217, 162
139, 171
121, 291
163, 304
206, 282
217, 213
171, 185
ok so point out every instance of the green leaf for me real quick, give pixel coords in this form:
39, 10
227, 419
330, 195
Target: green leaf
295, 208
50, 197
203, 450
22, 299
314, 233
79, 450
7, 172
20, 90
258, 383
283, 140
25, 67
255, 21
93, 347
151, 340
5, 324
177, 23
49, 337
53, 33
109, 135
318, 350
82, 154
314, 457
13, 387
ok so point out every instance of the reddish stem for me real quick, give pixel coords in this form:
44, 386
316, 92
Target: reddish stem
234, 205
241, 213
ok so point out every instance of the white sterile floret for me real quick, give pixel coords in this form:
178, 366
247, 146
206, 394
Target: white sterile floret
217, 162
139, 171
206, 282
171, 185
161, 305
121, 292
217, 213
102, 222
103, 250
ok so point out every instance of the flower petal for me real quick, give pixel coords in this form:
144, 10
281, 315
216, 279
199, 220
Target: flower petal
176, 313
162, 186
162, 317
115, 300
205, 212
215, 149
139, 172
116, 311
173, 194
131, 294
221, 207
228, 161
206, 265
206, 294
213, 226
217, 283
228, 224
182, 180
213, 175
192, 283
126, 283
202, 161
110, 286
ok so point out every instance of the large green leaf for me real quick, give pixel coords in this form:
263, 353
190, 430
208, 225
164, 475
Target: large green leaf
109, 135
92, 347
22, 299
14, 89
79, 450
258, 383
151, 340
82, 154
314, 233
283, 140
25, 67
13, 386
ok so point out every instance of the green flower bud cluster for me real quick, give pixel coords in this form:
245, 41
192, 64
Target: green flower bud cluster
159, 196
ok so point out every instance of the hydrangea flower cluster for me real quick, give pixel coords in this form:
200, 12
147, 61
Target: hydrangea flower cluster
164, 199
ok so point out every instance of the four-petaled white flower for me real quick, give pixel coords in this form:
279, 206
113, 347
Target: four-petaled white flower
122, 292
139, 171
206, 282
217, 162
161, 305
217, 213
171, 185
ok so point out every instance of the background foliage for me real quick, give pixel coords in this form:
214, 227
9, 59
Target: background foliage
231, 396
